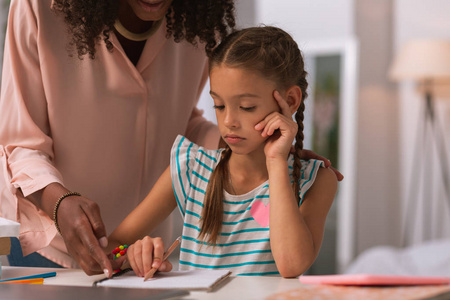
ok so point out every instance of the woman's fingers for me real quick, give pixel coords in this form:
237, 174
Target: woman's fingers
82, 230
338, 174
308, 154
92, 211
78, 251
94, 251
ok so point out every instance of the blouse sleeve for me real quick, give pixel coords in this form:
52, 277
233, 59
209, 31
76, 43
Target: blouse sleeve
182, 159
308, 175
26, 148
24, 123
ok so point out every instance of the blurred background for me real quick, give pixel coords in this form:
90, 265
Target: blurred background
371, 125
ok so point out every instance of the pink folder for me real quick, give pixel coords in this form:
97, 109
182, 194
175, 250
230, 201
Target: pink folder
372, 279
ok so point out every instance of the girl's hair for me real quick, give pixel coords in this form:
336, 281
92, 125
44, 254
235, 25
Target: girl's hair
272, 53
90, 21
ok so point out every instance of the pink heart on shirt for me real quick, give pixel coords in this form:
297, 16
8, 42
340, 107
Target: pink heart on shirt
260, 213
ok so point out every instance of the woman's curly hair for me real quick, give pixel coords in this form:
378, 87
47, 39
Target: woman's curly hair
90, 21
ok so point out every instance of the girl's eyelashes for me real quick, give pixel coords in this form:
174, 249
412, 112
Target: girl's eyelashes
251, 108
221, 107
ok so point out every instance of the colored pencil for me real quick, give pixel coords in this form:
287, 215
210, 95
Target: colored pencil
43, 275
31, 281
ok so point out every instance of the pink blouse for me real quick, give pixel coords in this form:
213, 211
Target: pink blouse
102, 127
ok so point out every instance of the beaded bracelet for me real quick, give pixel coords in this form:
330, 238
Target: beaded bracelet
55, 210
120, 251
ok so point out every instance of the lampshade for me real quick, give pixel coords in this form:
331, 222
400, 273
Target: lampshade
421, 60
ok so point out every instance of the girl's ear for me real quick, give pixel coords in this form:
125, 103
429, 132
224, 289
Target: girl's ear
294, 97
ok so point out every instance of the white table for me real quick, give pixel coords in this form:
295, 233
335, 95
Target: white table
235, 287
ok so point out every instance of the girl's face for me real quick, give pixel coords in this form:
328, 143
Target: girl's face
242, 99
149, 10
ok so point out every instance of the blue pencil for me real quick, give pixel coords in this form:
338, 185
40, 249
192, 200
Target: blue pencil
43, 275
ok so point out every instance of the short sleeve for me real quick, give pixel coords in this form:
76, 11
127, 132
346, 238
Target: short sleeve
308, 176
182, 159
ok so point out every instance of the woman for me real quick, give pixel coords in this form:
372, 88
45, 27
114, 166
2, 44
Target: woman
93, 95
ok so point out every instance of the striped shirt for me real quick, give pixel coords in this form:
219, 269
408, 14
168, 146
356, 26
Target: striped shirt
243, 246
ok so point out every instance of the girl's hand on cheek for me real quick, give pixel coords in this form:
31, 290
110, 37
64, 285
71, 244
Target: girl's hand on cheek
147, 253
280, 128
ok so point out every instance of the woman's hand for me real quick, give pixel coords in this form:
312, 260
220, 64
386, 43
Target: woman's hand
146, 254
280, 128
308, 154
84, 234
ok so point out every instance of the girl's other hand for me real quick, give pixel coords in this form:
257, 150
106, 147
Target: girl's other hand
146, 254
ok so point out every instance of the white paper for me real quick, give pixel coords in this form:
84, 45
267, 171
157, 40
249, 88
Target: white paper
192, 280
8, 228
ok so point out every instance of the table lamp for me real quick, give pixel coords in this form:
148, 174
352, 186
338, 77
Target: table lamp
427, 63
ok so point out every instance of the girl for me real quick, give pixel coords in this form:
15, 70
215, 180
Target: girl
232, 220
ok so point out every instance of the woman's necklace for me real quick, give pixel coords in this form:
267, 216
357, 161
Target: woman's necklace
136, 37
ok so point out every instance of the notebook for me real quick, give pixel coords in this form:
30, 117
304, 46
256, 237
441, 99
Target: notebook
188, 280
373, 279
20, 291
